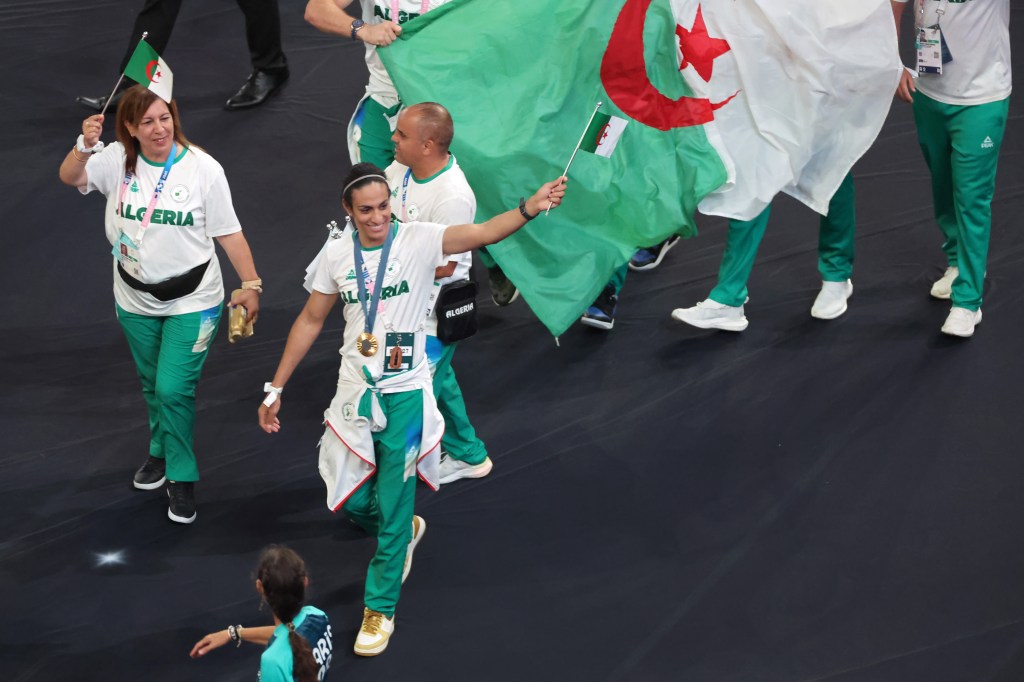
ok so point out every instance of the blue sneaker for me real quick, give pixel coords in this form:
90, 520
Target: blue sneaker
601, 314
650, 258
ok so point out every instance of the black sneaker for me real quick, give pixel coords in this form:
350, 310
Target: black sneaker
150, 475
601, 314
182, 508
503, 291
650, 258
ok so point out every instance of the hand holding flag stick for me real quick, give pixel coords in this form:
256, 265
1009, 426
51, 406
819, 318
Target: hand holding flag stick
118, 83
565, 174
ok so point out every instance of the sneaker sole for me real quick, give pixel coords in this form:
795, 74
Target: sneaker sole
656, 262
479, 471
597, 324
819, 316
412, 548
727, 326
180, 519
149, 486
372, 652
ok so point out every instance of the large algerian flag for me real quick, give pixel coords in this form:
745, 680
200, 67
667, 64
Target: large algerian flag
521, 80
148, 69
746, 97
809, 84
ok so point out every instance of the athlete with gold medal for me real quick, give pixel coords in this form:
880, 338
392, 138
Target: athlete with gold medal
383, 426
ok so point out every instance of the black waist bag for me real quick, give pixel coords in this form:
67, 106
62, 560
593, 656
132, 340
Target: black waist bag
169, 289
456, 311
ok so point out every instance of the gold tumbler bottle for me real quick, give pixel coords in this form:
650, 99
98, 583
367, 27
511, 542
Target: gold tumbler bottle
238, 328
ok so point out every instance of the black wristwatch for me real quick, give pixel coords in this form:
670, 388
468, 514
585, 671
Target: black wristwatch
356, 25
522, 210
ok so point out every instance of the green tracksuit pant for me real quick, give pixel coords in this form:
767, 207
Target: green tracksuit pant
383, 506
375, 145
835, 247
961, 147
460, 440
169, 354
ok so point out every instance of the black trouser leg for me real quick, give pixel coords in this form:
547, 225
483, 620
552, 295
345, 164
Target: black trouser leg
157, 17
263, 33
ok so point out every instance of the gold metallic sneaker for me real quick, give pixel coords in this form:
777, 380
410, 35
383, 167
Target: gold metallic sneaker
419, 527
374, 634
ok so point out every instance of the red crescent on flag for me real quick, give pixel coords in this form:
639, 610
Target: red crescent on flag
625, 79
151, 68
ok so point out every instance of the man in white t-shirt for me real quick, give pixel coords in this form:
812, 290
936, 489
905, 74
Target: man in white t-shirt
427, 185
961, 101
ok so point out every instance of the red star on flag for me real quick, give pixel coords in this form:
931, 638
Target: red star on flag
699, 49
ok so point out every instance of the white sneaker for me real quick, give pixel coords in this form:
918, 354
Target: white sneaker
374, 634
831, 301
452, 469
961, 322
419, 527
943, 287
712, 315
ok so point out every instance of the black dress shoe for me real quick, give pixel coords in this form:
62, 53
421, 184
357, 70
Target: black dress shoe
97, 103
259, 86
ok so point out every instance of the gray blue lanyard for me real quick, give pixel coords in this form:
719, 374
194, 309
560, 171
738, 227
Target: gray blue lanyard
370, 307
405, 191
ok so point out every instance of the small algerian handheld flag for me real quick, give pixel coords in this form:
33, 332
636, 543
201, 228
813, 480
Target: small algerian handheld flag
147, 69
603, 134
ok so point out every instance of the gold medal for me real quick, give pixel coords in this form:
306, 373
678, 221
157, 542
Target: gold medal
366, 344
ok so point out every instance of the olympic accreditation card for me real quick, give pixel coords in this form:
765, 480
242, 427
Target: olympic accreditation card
398, 347
932, 51
127, 253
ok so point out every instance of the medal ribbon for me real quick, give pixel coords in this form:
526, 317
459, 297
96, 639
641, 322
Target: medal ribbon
424, 6
156, 193
370, 307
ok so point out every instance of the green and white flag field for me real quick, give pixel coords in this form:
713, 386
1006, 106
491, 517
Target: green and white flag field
148, 69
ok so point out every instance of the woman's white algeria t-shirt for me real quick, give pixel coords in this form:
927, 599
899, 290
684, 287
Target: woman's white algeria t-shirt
405, 296
194, 207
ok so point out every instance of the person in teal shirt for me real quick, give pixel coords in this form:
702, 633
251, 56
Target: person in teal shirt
299, 643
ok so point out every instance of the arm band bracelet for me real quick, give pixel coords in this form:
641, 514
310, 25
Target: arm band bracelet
272, 393
79, 157
235, 633
522, 210
254, 284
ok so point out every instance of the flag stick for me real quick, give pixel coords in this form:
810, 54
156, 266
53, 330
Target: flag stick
578, 144
118, 84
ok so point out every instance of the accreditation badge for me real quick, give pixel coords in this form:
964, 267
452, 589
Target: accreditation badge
398, 349
127, 254
929, 50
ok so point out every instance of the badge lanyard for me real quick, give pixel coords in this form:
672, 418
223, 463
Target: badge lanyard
424, 6
370, 307
939, 12
932, 51
156, 193
405, 191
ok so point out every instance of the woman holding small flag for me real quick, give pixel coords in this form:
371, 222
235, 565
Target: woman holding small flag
383, 427
167, 201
